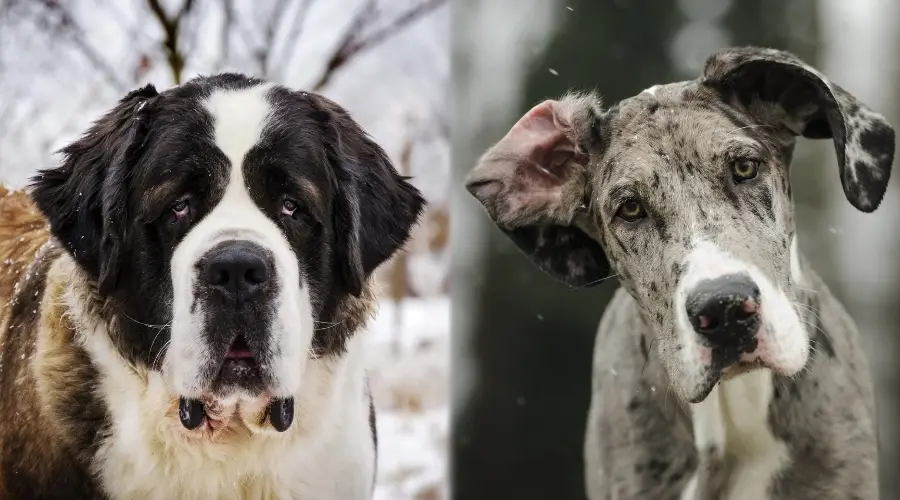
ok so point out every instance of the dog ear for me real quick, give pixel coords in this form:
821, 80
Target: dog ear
808, 104
85, 199
533, 184
375, 208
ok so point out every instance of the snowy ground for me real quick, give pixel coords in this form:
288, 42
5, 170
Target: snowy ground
409, 362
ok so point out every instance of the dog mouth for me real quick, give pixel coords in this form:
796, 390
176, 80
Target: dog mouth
194, 413
240, 373
240, 370
239, 350
724, 369
724, 374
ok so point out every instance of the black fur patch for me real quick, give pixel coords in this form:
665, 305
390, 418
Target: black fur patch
563, 252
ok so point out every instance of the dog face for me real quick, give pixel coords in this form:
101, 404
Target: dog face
227, 222
684, 189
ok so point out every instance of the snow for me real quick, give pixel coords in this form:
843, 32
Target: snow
409, 362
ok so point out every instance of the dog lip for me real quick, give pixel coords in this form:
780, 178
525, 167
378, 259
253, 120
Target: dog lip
239, 349
724, 374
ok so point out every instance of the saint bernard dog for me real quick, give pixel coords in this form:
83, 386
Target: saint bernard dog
181, 297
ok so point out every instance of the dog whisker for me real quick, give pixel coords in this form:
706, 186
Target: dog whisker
161, 351
594, 282
809, 323
327, 327
167, 325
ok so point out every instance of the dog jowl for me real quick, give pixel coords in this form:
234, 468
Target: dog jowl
223, 221
684, 191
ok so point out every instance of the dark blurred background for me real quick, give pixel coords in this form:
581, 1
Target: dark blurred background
522, 343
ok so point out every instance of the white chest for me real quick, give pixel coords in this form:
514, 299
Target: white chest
733, 420
327, 453
147, 457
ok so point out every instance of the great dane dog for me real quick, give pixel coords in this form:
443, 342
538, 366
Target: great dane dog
724, 368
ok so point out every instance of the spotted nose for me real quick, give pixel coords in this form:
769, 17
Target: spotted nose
725, 310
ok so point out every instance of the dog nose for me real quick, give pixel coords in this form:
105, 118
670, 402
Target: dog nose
239, 269
725, 310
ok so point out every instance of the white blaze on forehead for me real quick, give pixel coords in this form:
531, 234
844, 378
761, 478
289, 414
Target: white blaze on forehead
239, 117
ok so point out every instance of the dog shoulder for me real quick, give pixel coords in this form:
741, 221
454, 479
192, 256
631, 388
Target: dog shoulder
42, 381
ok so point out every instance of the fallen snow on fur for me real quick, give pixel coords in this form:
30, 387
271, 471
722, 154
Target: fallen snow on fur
409, 368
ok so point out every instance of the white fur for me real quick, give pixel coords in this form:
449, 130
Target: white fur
652, 90
239, 119
783, 341
326, 454
796, 268
733, 420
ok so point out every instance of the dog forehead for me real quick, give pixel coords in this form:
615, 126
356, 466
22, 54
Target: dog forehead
676, 125
225, 129
674, 137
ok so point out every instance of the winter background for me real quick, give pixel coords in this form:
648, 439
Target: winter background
64, 63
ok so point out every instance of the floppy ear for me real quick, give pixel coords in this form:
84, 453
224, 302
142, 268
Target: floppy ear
85, 198
779, 88
375, 207
533, 184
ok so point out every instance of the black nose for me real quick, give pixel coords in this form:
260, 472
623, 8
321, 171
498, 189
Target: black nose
725, 310
238, 269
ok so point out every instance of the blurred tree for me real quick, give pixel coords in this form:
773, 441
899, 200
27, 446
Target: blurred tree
521, 435
534, 338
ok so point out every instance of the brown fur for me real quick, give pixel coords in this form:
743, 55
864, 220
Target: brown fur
22, 232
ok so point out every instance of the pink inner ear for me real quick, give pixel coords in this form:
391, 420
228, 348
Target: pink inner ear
529, 175
539, 140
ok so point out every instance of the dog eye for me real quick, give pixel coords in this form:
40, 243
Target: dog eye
744, 170
288, 207
631, 210
181, 209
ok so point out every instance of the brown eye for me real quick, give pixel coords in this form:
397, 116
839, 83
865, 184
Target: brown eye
631, 211
744, 170
181, 209
288, 207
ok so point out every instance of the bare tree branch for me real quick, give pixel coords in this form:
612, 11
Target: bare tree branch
66, 25
354, 43
225, 35
170, 26
263, 52
292, 39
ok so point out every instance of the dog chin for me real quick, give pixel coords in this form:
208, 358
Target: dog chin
721, 370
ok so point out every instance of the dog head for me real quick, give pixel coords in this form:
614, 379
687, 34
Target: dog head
227, 223
684, 190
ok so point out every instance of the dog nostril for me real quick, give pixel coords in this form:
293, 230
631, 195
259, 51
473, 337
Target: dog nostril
707, 323
220, 278
255, 275
747, 310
